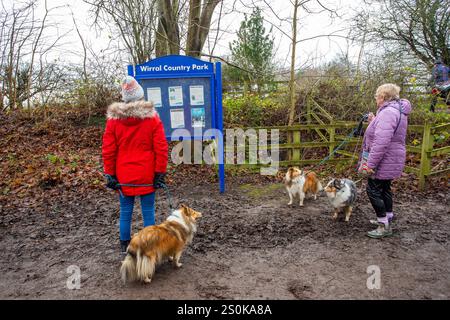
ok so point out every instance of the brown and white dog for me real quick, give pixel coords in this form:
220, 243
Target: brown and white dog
154, 244
296, 182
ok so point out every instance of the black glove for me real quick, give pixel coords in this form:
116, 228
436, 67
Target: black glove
111, 182
159, 181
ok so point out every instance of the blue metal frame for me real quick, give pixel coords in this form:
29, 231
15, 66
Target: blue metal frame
215, 80
219, 117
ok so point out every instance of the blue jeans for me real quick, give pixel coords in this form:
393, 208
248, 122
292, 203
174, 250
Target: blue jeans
126, 213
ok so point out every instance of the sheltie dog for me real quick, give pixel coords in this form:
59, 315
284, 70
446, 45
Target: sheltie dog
154, 244
342, 196
296, 182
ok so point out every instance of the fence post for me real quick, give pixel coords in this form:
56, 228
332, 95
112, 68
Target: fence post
296, 154
308, 111
332, 132
425, 156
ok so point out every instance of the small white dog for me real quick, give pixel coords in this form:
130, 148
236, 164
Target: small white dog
297, 183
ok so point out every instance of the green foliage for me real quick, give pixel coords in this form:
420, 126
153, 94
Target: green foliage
422, 114
254, 110
54, 159
441, 137
252, 51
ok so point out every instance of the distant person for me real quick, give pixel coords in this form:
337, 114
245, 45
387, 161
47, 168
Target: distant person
135, 151
440, 82
384, 154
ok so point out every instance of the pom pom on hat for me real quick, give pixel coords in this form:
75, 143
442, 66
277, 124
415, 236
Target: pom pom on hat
131, 90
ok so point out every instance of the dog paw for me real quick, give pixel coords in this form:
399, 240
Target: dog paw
301, 204
170, 259
178, 265
335, 216
289, 203
147, 280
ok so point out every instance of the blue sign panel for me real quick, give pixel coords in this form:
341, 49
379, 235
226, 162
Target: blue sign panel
181, 103
187, 93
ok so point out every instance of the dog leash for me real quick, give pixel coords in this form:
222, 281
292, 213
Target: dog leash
169, 198
163, 185
346, 140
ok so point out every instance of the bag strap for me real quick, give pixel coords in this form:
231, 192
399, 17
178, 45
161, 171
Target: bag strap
400, 109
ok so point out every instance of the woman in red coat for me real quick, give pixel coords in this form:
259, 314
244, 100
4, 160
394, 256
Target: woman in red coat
135, 151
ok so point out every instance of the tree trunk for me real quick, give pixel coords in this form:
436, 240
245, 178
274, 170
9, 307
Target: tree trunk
292, 80
169, 21
199, 25
161, 48
193, 28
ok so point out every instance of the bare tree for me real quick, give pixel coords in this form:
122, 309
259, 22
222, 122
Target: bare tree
199, 24
23, 39
292, 88
133, 22
155, 28
168, 29
415, 27
34, 48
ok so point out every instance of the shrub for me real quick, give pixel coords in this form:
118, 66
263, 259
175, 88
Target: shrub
253, 110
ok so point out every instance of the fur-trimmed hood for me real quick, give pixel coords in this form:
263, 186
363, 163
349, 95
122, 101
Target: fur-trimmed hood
136, 109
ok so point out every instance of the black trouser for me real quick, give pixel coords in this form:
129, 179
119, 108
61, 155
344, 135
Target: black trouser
444, 95
380, 196
434, 100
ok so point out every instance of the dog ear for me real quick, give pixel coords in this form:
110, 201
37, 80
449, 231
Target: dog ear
195, 214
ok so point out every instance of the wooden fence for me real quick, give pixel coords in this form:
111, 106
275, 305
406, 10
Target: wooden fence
332, 133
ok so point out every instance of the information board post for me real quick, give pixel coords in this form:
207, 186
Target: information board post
219, 122
187, 94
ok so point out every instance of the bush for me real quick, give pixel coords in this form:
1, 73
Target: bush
253, 110
93, 95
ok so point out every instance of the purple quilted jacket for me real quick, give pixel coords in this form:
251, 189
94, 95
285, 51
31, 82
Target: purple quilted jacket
385, 142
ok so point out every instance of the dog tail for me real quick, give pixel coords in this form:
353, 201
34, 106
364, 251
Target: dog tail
145, 266
128, 270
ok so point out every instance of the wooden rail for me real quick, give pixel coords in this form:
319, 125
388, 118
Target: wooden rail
329, 138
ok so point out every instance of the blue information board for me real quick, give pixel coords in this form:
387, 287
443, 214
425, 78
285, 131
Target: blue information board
187, 93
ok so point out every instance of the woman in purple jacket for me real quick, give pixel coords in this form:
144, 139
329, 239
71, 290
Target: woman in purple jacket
385, 153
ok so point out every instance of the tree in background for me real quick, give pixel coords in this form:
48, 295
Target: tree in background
417, 27
252, 52
24, 71
157, 27
132, 24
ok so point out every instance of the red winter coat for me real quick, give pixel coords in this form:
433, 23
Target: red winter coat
134, 145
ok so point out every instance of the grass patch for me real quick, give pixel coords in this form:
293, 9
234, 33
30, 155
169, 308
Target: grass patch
256, 191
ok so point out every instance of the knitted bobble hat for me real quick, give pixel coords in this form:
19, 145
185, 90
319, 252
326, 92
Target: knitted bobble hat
131, 90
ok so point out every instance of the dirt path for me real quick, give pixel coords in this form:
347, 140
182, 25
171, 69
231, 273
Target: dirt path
250, 245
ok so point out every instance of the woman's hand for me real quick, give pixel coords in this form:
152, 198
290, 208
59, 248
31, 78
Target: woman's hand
159, 180
111, 182
370, 117
370, 171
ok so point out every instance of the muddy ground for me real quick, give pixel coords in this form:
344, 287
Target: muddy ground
250, 245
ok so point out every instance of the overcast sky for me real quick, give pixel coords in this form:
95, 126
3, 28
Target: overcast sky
315, 51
